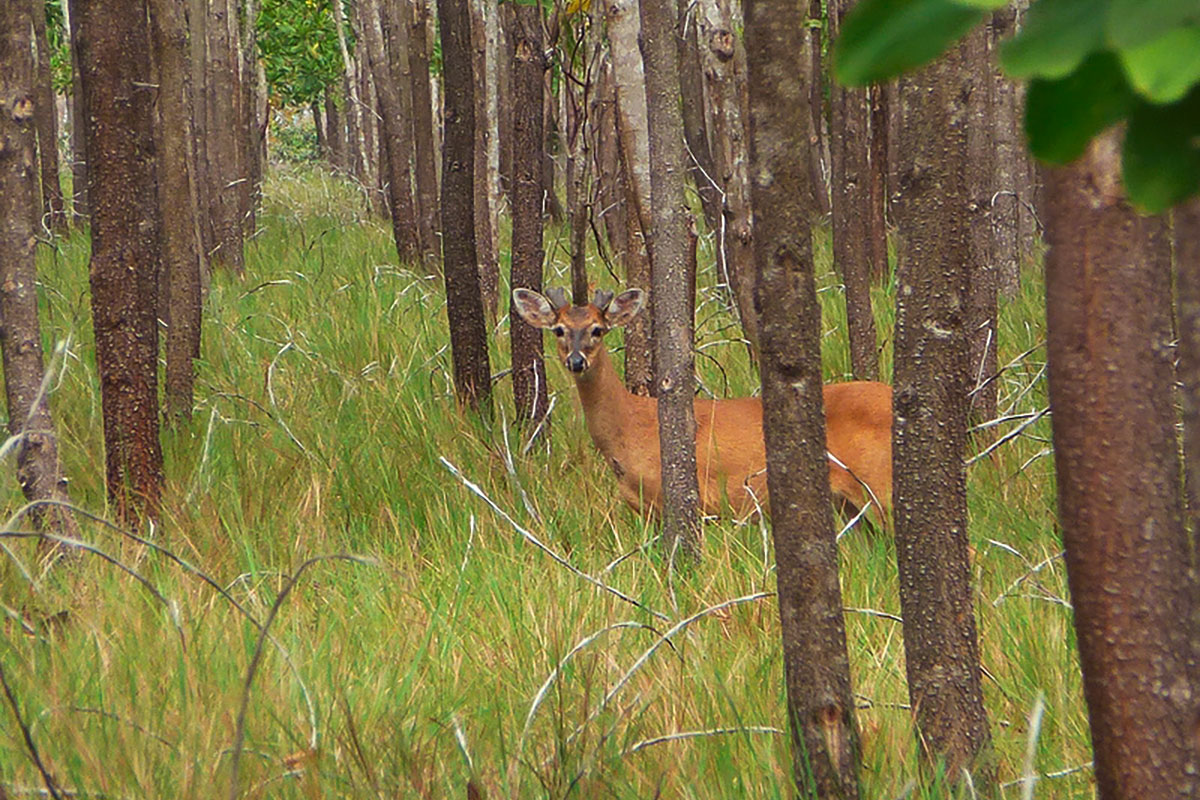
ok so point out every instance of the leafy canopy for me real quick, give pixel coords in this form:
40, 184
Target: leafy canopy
1090, 64
297, 40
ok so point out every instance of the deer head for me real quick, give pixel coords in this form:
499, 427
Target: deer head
578, 330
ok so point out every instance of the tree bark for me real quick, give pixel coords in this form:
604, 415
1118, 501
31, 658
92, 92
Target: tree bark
820, 703
817, 141
1127, 554
981, 173
695, 127
79, 179
528, 72
464, 303
932, 378
253, 127
673, 359
629, 78
224, 156
113, 49
197, 21
485, 218
1011, 163
356, 157
851, 210
877, 203
54, 217
1186, 246
20, 334
336, 132
428, 216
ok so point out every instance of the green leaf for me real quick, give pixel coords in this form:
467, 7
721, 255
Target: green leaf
1161, 158
1164, 69
882, 38
986, 5
1131, 23
1057, 36
1061, 116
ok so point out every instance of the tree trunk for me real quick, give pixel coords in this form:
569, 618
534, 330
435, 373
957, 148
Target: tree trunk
817, 141
428, 216
20, 334
1011, 161
528, 72
724, 60
118, 102
394, 128
253, 127
629, 78
1111, 384
932, 378
223, 148
46, 121
1186, 231
673, 359
180, 245
356, 157
335, 132
851, 210
79, 178
817, 667
695, 128
485, 218
464, 303
877, 199
197, 20
639, 334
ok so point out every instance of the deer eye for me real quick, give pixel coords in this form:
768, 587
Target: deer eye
597, 331
558, 330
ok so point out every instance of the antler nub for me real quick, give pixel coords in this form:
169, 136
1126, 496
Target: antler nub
557, 297
602, 299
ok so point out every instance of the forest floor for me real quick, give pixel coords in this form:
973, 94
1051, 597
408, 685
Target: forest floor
452, 650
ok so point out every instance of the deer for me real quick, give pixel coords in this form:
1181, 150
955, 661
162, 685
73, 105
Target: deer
730, 454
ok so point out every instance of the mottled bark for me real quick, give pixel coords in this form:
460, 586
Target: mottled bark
20, 334
113, 49
485, 218
1011, 163
932, 378
54, 217
851, 210
429, 223
624, 29
222, 141
1186, 234
179, 242
877, 198
335, 132
528, 71
1108, 321
464, 304
673, 358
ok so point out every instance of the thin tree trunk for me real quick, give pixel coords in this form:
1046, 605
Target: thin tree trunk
851, 210
639, 334
197, 20
356, 156
251, 140
817, 140
1005, 204
1186, 231
114, 54
336, 133
528, 72
877, 199
673, 334
485, 220
223, 147
695, 127
464, 303
624, 29
932, 378
79, 178
20, 333
1111, 385
46, 121
428, 216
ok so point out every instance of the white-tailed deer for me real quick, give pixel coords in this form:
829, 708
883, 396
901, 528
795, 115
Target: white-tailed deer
730, 454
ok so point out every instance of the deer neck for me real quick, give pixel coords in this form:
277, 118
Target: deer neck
607, 404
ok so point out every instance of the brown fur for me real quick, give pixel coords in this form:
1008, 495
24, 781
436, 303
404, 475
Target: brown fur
730, 453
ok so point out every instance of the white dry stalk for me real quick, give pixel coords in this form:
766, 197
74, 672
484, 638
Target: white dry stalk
512, 471
682, 735
1035, 569
1028, 775
1014, 433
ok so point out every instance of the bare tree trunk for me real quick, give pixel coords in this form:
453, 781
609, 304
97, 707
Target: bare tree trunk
251, 143
46, 122
1005, 204
673, 334
1128, 557
639, 334
223, 147
336, 133
370, 132
464, 303
179, 240
820, 704
724, 60
197, 21
851, 210
1186, 246
528, 71
877, 199
485, 220
428, 216
79, 179
981, 172
695, 127
932, 378
20, 334
624, 29
356, 156
114, 54
817, 141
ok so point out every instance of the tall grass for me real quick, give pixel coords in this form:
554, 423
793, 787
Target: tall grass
461, 653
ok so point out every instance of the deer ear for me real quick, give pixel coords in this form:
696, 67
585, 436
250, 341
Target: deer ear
625, 307
533, 308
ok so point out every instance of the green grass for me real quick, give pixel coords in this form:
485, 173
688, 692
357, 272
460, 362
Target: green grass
324, 404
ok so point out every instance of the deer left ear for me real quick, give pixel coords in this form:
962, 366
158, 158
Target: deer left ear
625, 307
534, 308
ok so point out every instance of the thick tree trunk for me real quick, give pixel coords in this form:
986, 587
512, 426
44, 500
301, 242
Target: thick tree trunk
179, 240
528, 71
54, 217
851, 210
464, 303
1186, 231
20, 334
1111, 384
673, 359
981, 173
817, 667
429, 224
118, 101
932, 378
224, 150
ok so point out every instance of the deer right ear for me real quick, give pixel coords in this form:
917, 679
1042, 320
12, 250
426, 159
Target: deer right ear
534, 308
625, 307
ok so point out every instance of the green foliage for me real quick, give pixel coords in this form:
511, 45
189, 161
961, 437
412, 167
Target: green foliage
297, 40
60, 46
1090, 64
294, 138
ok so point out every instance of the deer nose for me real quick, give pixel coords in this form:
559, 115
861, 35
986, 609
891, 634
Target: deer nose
576, 362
